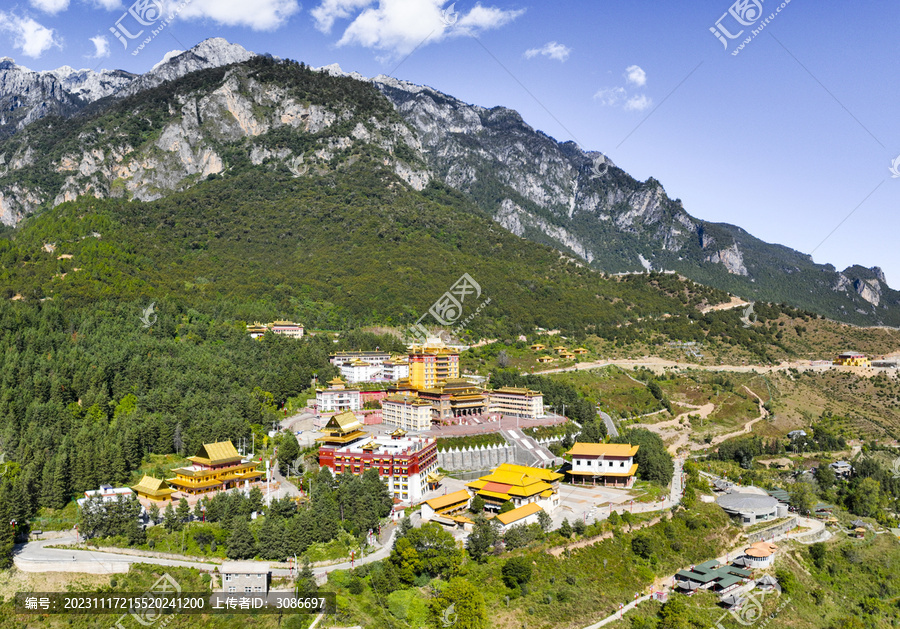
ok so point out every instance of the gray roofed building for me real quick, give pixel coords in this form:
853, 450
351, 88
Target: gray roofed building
244, 576
841, 468
749, 508
732, 600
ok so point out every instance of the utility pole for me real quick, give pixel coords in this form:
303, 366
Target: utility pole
268, 485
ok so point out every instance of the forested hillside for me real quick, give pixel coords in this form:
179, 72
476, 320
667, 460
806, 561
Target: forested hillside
339, 250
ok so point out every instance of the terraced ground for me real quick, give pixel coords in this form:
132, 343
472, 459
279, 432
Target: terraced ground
709, 406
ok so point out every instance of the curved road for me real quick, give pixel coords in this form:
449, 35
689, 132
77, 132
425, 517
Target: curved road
35, 556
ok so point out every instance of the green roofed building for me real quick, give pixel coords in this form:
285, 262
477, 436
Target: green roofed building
710, 575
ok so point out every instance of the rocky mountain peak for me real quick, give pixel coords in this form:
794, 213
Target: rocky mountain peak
555, 193
210, 53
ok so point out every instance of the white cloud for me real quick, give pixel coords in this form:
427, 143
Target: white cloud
619, 97
486, 18
636, 76
638, 103
101, 47
330, 10
611, 96
260, 15
551, 50
109, 5
50, 6
29, 36
399, 26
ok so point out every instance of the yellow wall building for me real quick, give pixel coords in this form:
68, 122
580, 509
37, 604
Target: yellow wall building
432, 364
852, 359
153, 489
520, 484
216, 466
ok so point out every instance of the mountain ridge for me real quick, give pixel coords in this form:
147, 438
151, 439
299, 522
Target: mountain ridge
551, 192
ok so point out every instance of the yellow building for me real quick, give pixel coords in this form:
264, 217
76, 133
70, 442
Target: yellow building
432, 363
852, 359
520, 484
546, 359
537, 347
579, 350
446, 505
216, 466
153, 489
342, 429
524, 515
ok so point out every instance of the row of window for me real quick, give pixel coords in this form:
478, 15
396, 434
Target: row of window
260, 575
587, 462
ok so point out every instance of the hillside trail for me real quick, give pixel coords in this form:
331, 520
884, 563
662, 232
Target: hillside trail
748, 426
673, 427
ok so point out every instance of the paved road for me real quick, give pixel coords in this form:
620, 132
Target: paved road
611, 429
34, 556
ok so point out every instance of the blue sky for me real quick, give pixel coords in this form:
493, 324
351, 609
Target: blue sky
787, 138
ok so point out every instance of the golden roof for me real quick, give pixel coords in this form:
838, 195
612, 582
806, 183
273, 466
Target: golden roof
403, 398
516, 391
545, 475
179, 482
346, 438
343, 423
216, 454
603, 449
494, 494
448, 500
517, 514
202, 473
152, 486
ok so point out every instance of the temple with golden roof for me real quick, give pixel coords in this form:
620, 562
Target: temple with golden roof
151, 488
216, 466
342, 429
519, 484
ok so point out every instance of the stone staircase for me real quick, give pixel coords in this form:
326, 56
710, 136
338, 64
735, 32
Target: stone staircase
529, 451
